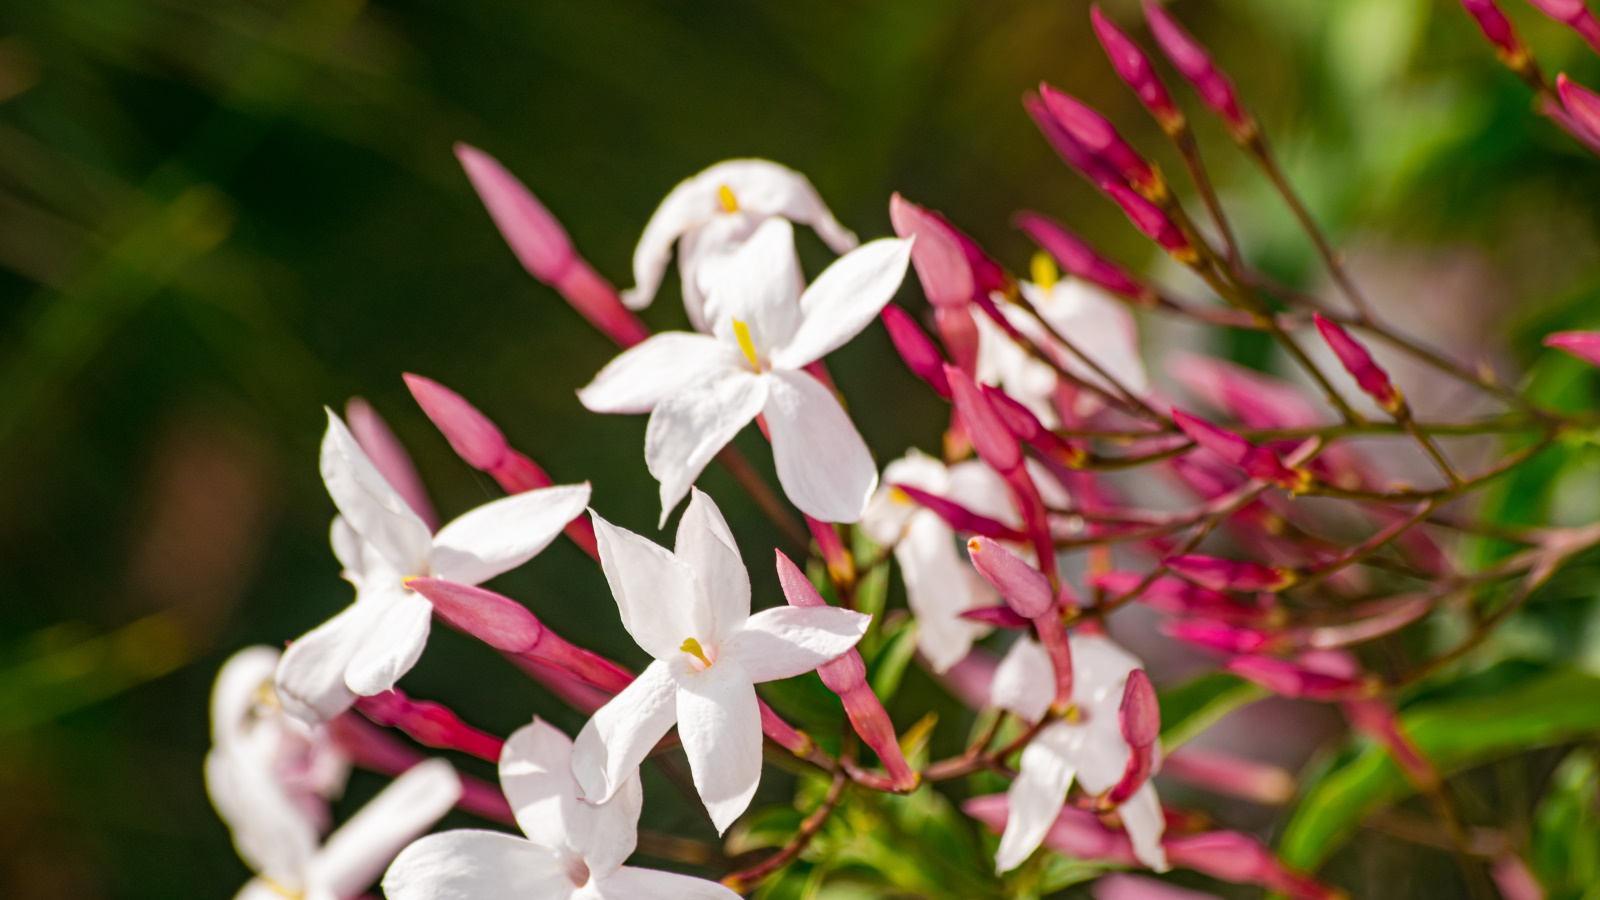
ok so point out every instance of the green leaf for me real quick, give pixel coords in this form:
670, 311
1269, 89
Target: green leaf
886, 669
1190, 709
1561, 705
1565, 848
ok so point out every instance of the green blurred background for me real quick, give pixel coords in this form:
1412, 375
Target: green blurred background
217, 217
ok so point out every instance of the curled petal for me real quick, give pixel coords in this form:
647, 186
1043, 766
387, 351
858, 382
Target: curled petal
823, 464
392, 644
787, 641
689, 428
620, 734
844, 299
643, 377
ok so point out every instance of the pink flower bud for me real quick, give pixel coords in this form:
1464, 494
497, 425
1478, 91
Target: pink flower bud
958, 517
1582, 105
1077, 258
543, 248
1024, 588
389, 457
429, 724
841, 565
936, 253
1152, 222
1369, 376
1376, 719
1001, 616
475, 439
991, 439
1231, 775
1071, 150
1191, 60
1230, 574
1515, 880
1288, 679
1134, 68
1028, 429
1574, 14
1140, 713
847, 677
916, 348
370, 747
1096, 133
1053, 637
1119, 886
1585, 345
1257, 400
1496, 28
1175, 595
1220, 636
1257, 462
783, 734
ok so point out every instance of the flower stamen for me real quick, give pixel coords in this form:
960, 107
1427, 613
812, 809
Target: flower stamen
729, 202
1043, 270
741, 332
692, 647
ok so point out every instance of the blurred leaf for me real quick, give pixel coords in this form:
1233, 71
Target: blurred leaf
888, 666
1191, 708
772, 826
1565, 846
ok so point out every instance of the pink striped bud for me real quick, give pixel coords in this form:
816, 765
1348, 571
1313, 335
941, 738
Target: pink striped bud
1289, 679
389, 457
1028, 429
958, 517
991, 439
1078, 259
1257, 462
1582, 105
1574, 14
1369, 376
543, 248
1139, 717
1194, 63
936, 253
1096, 133
1134, 68
1153, 223
916, 348
1230, 574
847, 677
1024, 588
1001, 616
1175, 595
1070, 149
510, 627
1497, 29
1231, 775
429, 724
1585, 345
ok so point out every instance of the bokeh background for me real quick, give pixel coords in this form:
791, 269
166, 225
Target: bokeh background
218, 216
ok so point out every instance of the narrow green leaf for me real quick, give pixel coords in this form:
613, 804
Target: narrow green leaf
1191, 708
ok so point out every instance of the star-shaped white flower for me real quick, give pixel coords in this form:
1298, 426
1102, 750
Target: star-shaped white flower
1089, 747
573, 850
711, 215
366, 648
690, 609
702, 389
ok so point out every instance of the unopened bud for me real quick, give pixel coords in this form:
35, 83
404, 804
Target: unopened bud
429, 724
1134, 68
389, 457
1096, 133
1497, 29
1219, 636
1028, 429
1178, 596
936, 253
1230, 574
1355, 358
478, 441
1140, 713
1257, 462
1288, 679
958, 517
1078, 259
1071, 150
916, 349
1574, 14
1194, 63
1001, 616
1024, 587
1153, 223
991, 439
1582, 105
1585, 345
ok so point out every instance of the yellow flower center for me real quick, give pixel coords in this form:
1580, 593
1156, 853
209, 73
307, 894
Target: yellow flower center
729, 202
282, 890
900, 497
1044, 271
692, 647
741, 332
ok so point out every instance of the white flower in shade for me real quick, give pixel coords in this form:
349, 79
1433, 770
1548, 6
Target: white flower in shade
1004, 364
711, 215
366, 648
701, 389
573, 849
258, 748
292, 864
940, 583
690, 609
1089, 747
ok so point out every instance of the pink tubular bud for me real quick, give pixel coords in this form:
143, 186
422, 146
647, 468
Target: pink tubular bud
1140, 720
958, 517
429, 724
1053, 637
510, 627
847, 677
1376, 719
1574, 14
1240, 858
1028, 429
1582, 105
1078, 259
543, 248
1369, 376
1230, 574
1515, 880
1220, 636
1585, 345
1134, 68
1175, 595
389, 457
475, 439
1025, 589
936, 253
1191, 60
1096, 133
991, 439
841, 565
1071, 150
1001, 616
1153, 223
916, 348
1257, 400
1257, 462
370, 747
1289, 679
1231, 775
1496, 28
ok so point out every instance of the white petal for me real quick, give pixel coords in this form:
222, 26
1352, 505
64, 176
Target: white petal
504, 534
1024, 682
644, 375
1142, 817
371, 506
707, 547
238, 684
620, 734
759, 286
270, 833
536, 774
476, 865
1100, 668
629, 883
655, 591
687, 429
704, 252
823, 464
310, 677
394, 643
1035, 798
940, 586
1097, 324
977, 487
348, 548
844, 299
720, 725
792, 640
353, 856
765, 188
888, 512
